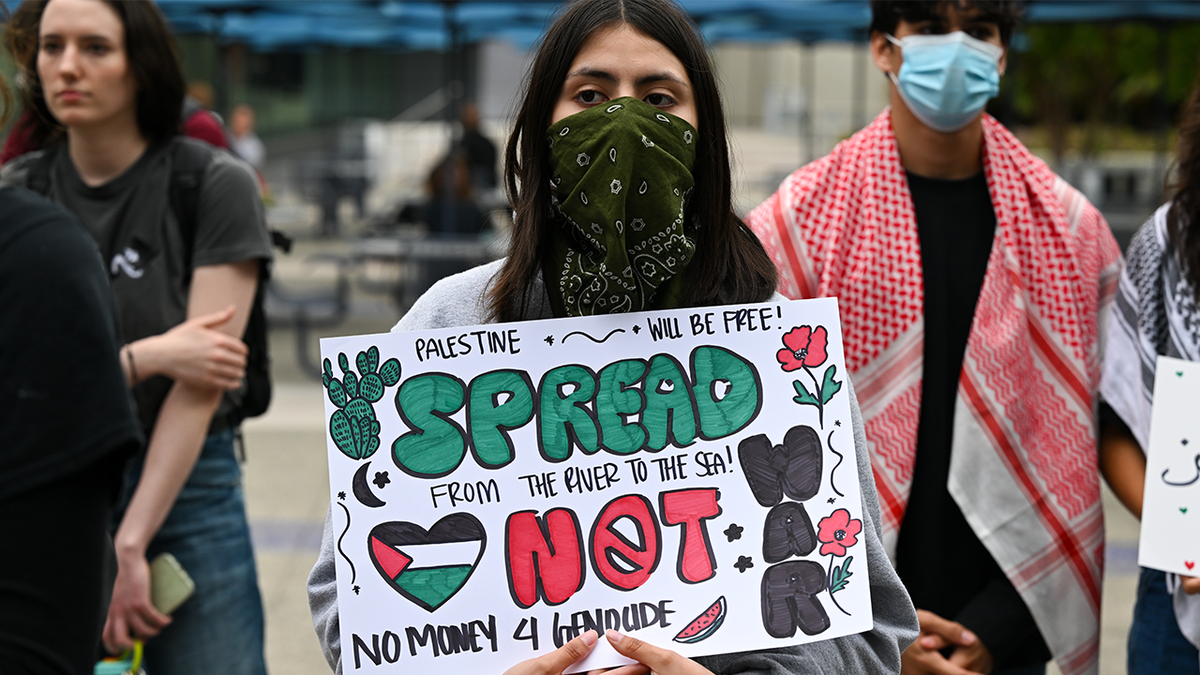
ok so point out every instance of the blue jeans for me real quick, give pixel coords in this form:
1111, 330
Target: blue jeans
1155, 643
220, 628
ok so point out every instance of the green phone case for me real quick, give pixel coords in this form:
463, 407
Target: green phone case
170, 584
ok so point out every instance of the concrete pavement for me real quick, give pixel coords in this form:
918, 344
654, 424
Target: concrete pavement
287, 492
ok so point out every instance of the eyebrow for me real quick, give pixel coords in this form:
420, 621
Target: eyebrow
983, 18
92, 37
598, 74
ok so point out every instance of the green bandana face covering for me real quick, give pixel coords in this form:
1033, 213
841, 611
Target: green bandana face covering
622, 176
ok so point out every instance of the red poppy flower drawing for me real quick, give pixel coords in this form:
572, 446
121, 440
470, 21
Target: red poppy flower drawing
837, 532
805, 348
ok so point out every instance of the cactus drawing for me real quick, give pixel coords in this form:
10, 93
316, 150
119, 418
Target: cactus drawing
354, 427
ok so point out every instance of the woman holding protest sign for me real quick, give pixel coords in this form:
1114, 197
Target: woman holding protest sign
608, 74
181, 229
1156, 315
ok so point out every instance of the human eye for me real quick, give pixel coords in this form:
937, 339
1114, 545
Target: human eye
589, 97
931, 28
97, 48
49, 46
660, 100
983, 32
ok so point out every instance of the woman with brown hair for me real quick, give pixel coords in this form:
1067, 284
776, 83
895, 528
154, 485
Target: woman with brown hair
1156, 315
629, 83
105, 90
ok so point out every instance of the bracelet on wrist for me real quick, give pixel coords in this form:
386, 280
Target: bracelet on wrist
133, 376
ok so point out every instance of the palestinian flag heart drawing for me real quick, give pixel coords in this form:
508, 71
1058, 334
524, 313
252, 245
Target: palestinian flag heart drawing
428, 566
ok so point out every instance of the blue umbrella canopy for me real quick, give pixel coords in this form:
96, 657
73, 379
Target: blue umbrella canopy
426, 24
282, 24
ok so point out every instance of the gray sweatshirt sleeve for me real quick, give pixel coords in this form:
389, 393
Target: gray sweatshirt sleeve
876, 651
322, 598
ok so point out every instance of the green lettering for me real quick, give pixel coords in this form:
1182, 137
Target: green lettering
618, 398
499, 401
669, 415
728, 391
565, 417
436, 445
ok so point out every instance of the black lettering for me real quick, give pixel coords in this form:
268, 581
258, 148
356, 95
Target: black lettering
630, 619
392, 647
789, 599
764, 314
663, 612
421, 638
372, 652
496, 342
564, 633
450, 639
612, 619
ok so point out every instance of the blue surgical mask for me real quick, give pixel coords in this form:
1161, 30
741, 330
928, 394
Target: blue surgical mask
946, 80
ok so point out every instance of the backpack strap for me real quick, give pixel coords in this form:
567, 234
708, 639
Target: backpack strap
38, 177
188, 164
189, 161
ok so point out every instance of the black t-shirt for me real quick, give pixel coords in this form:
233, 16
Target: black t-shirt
62, 392
941, 561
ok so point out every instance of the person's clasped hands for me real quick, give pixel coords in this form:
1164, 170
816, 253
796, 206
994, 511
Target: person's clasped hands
650, 659
969, 656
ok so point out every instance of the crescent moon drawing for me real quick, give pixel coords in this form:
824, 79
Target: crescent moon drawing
362, 491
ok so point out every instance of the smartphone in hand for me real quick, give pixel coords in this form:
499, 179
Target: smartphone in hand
170, 584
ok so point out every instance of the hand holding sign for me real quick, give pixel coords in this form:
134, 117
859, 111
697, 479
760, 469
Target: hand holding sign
649, 658
557, 661
1191, 585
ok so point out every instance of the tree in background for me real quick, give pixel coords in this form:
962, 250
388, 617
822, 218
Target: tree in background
1094, 78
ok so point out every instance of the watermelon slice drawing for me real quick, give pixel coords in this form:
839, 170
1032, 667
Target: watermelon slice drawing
704, 625
428, 566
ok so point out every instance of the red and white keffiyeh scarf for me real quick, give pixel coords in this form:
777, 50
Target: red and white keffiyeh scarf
1023, 465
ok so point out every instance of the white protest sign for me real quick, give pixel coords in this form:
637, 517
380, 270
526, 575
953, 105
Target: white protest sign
685, 476
1171, 502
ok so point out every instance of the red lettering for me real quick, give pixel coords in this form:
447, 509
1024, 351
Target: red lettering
619, 562
545, 556
691, 508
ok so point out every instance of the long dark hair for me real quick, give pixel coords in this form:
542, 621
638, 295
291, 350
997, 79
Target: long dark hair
149, 51
730, 264
1183, 218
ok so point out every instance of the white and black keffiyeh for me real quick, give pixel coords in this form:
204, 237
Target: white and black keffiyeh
1154, 314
